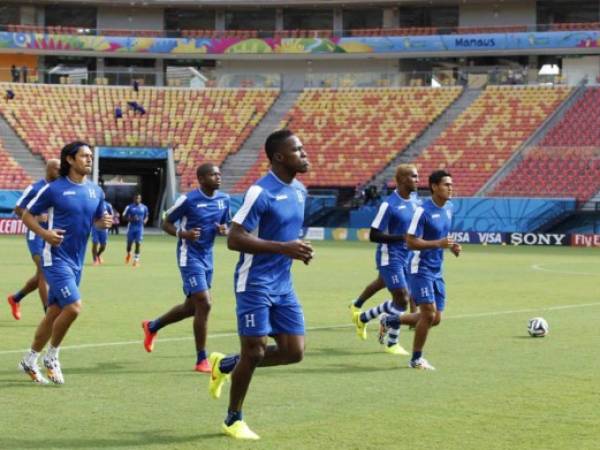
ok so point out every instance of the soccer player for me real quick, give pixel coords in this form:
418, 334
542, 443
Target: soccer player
428, 234
266, 232
369, 291
202, 214
136, 214
74, 205
100, 239
34, 242
393, 256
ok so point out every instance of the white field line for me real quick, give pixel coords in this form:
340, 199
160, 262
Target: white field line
540, 268
331, 327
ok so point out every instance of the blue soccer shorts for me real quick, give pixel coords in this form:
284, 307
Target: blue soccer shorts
195, 279
395, 276
63, 284
135, 234
425, 290
99, 236
261, 314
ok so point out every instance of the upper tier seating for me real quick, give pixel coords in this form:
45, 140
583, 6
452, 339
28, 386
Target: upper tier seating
351, 134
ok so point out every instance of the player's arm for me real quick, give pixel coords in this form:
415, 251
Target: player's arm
414, 235
380, 223
145, 216
53, 237
241, 240
171, 229
102, 217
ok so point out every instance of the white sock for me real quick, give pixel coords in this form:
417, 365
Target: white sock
31, 357
52, 352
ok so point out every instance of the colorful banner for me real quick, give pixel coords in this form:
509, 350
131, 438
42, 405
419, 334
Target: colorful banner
133, 152
585, 240
235, 45
12, 226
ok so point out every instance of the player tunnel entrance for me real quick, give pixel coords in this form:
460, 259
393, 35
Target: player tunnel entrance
125, 171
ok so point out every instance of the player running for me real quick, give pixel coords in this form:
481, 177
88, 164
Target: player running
202, 215
136, 214
74, 205
393, 256
266, 232
34, 242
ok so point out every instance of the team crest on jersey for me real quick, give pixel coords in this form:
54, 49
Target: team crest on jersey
300, 195
92, 193
449, 214
221, 204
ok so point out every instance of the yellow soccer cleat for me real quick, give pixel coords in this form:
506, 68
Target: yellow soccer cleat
361, 328
396, 349
353, 309
217, 378
240, 430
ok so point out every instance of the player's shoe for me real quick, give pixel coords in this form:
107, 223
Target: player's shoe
149, 336
100, 260
136, 263
53, 370
361, 328
15, 308
203, 366
396, 349
353, 309
240, 430
421, 364
33, 371
217, 378
96, 262
127, 258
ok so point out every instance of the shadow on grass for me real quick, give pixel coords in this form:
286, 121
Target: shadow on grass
134, 440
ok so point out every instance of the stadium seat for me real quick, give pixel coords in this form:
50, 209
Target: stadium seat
13, 175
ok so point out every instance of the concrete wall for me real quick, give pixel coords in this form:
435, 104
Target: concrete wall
306, 66
575, 69
497, 14
128, 17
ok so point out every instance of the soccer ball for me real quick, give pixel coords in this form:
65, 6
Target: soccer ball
537, 327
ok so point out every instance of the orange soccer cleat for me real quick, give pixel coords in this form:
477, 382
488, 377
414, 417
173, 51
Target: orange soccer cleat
148, 336
14, 307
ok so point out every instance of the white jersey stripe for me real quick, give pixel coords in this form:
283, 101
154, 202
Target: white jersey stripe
414, 263
47, 252
183, 250
379, 217
32, 202
245, 269
412, 228
177, 204
23, 195
251, 197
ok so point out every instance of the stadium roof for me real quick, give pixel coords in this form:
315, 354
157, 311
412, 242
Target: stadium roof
253, 3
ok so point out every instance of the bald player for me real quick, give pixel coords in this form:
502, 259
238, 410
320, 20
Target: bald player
34, 242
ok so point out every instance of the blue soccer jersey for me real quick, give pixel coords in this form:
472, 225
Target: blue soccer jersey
71, 207
197, 210
28, 194
430, 222
101, 236
274, 211
393, 218
136, 215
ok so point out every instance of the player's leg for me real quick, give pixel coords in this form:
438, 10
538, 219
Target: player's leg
175, 314
129, 245
95, 255
202, 306
13, 300
101, 249
136, 254
369, 291
42, 286
424, 294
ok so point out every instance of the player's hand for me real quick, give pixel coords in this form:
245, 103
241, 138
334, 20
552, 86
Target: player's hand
191, 235
222, 229
447, 242
54, 237
456, 249
106, 221
298, 249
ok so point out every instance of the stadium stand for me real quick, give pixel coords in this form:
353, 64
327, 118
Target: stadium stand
12, 176
580, 126
351, 134
201, 125
554, 172
484, 136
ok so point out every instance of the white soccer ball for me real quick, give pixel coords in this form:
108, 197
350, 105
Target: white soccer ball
537, 327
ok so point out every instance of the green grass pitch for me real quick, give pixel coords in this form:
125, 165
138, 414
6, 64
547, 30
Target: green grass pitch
495, 387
